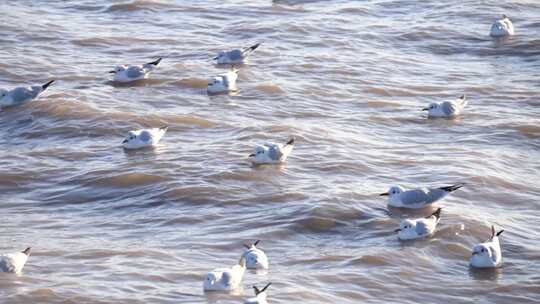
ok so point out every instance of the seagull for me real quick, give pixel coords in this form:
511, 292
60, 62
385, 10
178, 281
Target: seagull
225, 279
237, 56
417, 198
14, 262
447, 108
21, 95
255, 258
488, 254
410, 229
128, 73
271, 153
260, 295
502, 27
223, 83
144, 138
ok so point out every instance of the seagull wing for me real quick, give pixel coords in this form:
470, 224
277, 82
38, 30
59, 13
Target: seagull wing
274, 152
421, 228
449, 108
134, 72
145, 136
235, 55
414, 197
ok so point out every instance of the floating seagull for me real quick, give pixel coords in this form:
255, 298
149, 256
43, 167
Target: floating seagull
144, 138
502, 27
128, 73
260, 295
236, 56
488, 254
223, 83
410, 229
447, 108
255, 258
21, 95
271, 153
14, 262
225, 279
417, 198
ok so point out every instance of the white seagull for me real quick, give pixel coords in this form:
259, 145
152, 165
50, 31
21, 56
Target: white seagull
223, 83
410, 229
447, 108
502, 27
488, 254
128, 73
417, 198
260, 295
144, 138
14, 262
225, 279
236, 56
255, 258
21, 95
271, 153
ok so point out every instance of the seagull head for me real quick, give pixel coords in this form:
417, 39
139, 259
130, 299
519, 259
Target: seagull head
255, 258
393, 194
129, 140
406, 229
431, 108
259, 154
210, 280
3, 93
220, 56
481, 255
393, 191
118, 69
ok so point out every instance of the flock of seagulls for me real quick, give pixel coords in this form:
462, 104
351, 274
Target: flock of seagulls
484, 255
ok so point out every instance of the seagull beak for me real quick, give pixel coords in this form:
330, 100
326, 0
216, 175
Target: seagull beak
397, 230
384, 194
112, 72
251, 155
125, 141
425, 109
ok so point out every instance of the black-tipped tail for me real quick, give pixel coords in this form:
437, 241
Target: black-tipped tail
164, 128
291, 141
156, 62
499, 233
452, 188
258, 291
248, 245
437, 213
27, 250
45, 86
254, 47
463, 97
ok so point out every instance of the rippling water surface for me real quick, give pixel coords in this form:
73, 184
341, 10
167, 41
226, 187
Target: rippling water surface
347, 78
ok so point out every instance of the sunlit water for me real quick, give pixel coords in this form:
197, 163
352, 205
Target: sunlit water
347, 78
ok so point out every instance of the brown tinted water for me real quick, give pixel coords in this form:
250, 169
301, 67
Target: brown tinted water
347, 78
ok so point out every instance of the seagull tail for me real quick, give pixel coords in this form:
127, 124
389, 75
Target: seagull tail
249, 50
265, 287
290, 142
499, 233
156, 62
437, 213
164, 128
254, 47
27, 250
45, 86
452, 188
